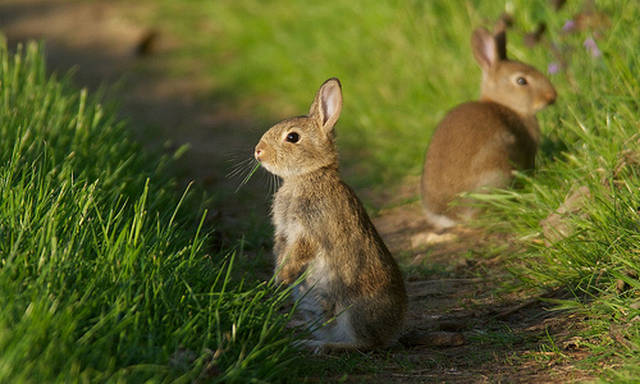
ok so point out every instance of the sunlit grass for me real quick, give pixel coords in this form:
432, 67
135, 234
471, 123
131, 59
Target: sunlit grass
597, 147
103, 277
403, 64
106, 274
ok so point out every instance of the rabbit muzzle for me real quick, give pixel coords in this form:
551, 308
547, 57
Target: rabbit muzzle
551, 96
259, 151
545, 99
264, 154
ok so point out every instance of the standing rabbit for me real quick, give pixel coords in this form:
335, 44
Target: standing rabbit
322, 231
478, 144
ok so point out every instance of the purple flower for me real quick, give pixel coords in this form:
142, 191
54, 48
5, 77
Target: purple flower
592, 47
569, 26
553, 68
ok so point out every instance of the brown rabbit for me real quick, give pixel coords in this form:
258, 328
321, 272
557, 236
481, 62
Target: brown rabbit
322, 231
478, 144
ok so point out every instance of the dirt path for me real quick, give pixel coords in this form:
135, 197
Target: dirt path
456, 298
454, 293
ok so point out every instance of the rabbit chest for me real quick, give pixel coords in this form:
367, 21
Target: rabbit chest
299, 218
299, 213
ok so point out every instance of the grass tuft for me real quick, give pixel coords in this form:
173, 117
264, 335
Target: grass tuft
106, 276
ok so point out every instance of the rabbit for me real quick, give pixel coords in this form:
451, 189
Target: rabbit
324, 237
479, 144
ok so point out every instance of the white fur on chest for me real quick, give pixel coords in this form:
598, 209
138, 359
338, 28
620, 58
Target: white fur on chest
287, 216
319, 273
282, 217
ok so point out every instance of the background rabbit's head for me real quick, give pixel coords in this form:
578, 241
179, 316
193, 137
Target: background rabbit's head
511, 83
304, 144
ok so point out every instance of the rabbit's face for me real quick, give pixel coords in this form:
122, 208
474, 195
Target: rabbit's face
513, 84
518, 86
294, 147
304, 144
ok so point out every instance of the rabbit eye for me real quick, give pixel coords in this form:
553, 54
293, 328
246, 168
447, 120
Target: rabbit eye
293, 137
521, 81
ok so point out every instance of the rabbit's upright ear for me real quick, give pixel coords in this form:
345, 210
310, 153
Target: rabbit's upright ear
488, 49
327, 105
500, 37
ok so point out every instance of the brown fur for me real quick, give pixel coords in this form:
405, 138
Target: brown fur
321, 228
479, 144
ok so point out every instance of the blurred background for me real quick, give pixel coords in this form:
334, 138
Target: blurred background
202, 80
216, 74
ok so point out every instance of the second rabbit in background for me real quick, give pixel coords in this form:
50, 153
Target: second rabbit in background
479, 144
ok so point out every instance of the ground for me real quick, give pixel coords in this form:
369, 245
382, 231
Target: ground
462, 327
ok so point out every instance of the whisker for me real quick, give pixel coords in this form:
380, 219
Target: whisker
234, 172
249, 175
240, 167
270, 181
237, 154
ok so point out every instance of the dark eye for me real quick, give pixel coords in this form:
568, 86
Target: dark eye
293, 137
521, 81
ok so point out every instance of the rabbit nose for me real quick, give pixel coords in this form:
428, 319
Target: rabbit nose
258, 152
551, 97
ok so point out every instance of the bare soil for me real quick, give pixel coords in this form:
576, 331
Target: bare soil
461, 289
462, 327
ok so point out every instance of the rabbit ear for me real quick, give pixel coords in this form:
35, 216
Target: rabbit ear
500, 37
327, 105
487, 49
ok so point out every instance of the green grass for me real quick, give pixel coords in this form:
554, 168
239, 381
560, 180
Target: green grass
597, 145
103, 278
106, 274
394, 60
403, 64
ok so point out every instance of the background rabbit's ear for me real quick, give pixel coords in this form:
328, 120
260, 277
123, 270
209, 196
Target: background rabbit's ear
327, 105
485, 48
500, 37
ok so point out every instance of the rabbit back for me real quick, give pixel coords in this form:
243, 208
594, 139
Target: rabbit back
477, 145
